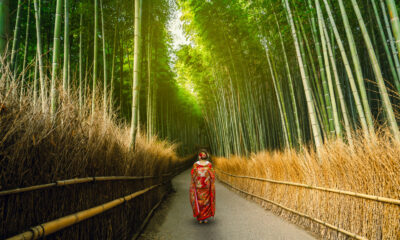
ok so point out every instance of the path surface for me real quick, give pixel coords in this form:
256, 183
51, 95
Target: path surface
235, 218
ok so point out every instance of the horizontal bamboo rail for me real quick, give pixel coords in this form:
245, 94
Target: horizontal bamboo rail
77, 181
349, 193
48, 228
353, 235
53, 226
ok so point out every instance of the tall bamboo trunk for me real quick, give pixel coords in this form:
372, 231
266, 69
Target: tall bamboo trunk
25, 47
391, 38
359, 106
39, 56
279, 100
306, 84
339, 91
136, 70
149, 85
111, 101
378, 74
96, 28
66, 45
325, 40
121, 74
385, 46
357, 68
15, 38
103, 36
56, 53
394, 18
80, 58
4, 21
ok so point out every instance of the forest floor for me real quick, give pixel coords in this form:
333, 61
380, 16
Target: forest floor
235, 218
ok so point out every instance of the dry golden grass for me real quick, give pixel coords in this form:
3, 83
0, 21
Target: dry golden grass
370, 168
36, 150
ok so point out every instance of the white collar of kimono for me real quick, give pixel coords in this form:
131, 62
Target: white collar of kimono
204, 163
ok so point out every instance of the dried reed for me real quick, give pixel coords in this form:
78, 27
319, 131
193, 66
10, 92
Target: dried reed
34, 150
370, 167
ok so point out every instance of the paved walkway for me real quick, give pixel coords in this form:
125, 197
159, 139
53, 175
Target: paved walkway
235, 218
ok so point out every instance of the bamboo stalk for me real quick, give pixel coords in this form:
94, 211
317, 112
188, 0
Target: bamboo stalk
136, 71
66, 46
56, 53
344, 192
16, 36
300, 214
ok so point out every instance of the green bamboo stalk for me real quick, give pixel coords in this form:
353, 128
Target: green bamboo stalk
39, 55
385, 46
324, 106
121, 74
359, 106
80, 58
4, 21
390, 37
56, 53
136, 70
279, 100
378, 74
103, 36
331, 95
16, 37
149, 102
339, 91
307, 90
291, 88
357, 68
66, 46
95, 49
35, 81
25, 47
111, 102
394, 18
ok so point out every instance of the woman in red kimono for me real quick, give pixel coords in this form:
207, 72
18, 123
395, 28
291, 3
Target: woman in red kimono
202, 188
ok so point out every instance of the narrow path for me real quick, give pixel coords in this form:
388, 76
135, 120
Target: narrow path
235, 218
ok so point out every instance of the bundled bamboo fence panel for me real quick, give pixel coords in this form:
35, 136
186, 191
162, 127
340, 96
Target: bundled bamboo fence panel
48, 228
353, 235
81, 180
53, 226
338, 191
357, 191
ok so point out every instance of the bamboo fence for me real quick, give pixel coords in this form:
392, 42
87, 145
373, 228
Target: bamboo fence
147, 219
53, 226
73, 181
353, 235
349, 193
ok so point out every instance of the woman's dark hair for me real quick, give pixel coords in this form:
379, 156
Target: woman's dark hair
206, 153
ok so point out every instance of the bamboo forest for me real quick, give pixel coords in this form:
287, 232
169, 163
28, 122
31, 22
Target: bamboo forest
109, 110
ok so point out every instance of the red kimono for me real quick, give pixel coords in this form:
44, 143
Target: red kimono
202, 191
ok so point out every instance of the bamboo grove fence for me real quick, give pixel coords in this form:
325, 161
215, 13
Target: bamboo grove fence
240, 182
133, 210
